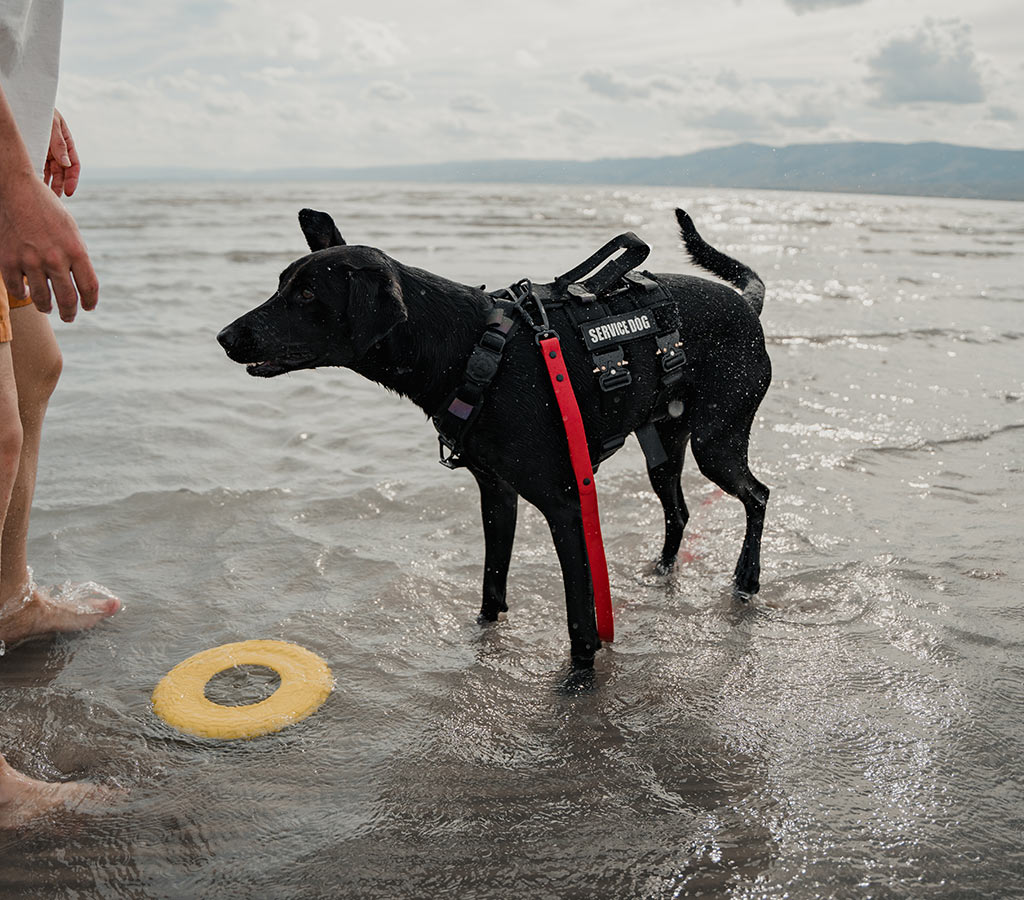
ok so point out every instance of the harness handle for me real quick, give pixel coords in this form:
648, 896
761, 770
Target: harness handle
635, 252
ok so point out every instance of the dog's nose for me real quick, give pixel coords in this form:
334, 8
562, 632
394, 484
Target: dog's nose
227, 336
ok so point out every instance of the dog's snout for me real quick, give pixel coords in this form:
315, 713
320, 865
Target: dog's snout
227, 336
236, 339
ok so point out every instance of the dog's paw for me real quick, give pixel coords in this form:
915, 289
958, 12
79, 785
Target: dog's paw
577, 680
664, 568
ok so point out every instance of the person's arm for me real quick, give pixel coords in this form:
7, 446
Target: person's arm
39, 241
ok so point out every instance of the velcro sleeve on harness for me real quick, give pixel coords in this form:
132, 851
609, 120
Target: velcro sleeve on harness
579, 455
452, 421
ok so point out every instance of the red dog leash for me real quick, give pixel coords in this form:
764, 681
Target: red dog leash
579, 455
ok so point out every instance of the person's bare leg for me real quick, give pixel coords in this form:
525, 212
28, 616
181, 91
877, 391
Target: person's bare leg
36, 364
27, 378
27, 611
23, 799
10, 439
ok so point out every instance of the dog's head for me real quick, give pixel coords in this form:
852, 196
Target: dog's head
329, 309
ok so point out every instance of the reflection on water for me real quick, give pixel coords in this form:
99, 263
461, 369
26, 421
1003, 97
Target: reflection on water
851, 732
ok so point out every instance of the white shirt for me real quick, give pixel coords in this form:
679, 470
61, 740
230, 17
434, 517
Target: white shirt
29, 63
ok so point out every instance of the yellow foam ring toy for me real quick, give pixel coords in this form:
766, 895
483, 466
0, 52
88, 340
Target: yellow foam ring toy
180, 698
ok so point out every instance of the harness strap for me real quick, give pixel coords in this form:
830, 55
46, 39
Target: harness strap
452, 421
579, 455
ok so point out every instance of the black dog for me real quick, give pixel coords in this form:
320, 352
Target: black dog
413, 332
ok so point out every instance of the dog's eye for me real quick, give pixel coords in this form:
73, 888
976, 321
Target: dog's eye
307, 294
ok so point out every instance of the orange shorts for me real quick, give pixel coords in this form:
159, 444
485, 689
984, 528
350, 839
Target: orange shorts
6, 305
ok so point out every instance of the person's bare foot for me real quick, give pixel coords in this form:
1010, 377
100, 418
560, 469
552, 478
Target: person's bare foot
38, 611
23, 799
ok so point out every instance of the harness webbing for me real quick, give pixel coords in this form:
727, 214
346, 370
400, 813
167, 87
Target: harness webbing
579, 455
460, 410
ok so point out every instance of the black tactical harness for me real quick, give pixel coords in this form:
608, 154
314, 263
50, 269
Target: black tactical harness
615, 306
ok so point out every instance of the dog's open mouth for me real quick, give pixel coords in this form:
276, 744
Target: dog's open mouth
270, 367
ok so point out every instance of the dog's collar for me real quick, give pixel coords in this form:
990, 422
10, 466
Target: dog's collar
460, 410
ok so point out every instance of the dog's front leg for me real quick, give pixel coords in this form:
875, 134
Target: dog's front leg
498, 502
566, 526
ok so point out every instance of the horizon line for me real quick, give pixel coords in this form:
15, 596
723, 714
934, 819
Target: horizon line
540, 159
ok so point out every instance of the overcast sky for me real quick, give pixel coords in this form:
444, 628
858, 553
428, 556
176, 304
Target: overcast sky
266, 83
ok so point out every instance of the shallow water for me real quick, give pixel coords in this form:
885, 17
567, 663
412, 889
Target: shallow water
853, 732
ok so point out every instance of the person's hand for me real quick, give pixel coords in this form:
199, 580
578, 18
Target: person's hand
40, 243
62, 163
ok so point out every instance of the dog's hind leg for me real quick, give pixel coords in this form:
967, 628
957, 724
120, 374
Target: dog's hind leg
665, 481
721, 454
498, 503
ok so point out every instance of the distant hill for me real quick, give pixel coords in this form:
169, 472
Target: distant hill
924, 169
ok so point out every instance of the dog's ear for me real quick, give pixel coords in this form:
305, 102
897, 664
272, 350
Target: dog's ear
375, 306
319, 229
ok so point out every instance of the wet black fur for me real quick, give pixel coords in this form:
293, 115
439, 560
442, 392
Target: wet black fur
412, 331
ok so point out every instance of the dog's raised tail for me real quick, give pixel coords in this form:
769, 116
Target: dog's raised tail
717, 263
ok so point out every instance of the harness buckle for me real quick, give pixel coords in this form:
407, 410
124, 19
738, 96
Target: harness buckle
482, 365
610, 367
670, 349
493, 340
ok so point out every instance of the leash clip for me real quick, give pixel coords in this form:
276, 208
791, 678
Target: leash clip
522, 293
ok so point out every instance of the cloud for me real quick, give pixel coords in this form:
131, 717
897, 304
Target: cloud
453, 127
372, 43
302, 37
1003, 114
603, 82
665, 84
620, 87
388, 91
573, 120
228, 103
472, 103
303, 31
802, 6
273, 75
935, 64
732, 119
735, 108
808, 111
728, 79
526, 59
